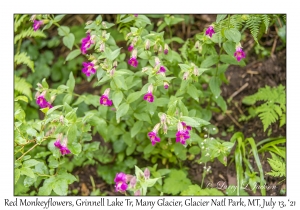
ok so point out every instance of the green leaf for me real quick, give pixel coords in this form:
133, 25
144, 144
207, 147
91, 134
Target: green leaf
220, 17
193, 92
31, 132
58, 18
63, 30
47, 187
195, 150
231, 60
120, 82
75, 148
69, 40
72, 133
176, 182
28, 181
23, 87
122, 110
117, 97
22, 98
214, 85
229, 47
30, 162
189, 121
27, 171
136, 128
133, 97
151, 182
209, 61
60, 187
73, 54
148, 149
233, 35
17, 175
23, 58
71, 82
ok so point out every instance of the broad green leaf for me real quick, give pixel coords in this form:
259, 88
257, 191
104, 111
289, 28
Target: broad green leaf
220, 17
136, 128
27, 171
73, 54
209, 61
60, 187
28, 181
17, 175
233, 35
63, 30
120, 82
195, 150
47, 187
75, 148
30, 162
31, 132
71, 82
231, 60
69, 41
148, 149
229, 47
72, 134
193, 92
214, 85
176, 182
122, 110
58, 18
189, 121
117, 97
133, 97
22, 98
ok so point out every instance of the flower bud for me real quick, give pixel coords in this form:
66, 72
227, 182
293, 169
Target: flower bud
61, 119
135, 39
179, 126
197, 44
52, 98
37, 94
89, 22
39, 85
185, 75
106, 92
147, 44
166, 49
144, 69
165, 128
196, 71
112, 72
137, 193
157, 61
166, 85
32, 18
133, 182
134, 53
102, 47
156, 128
150, 88
103, 33
104, 24
160, 49
163, 118
155, 48
115, 64
147, 173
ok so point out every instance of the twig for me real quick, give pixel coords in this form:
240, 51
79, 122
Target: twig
274, 46
27, 152
235, 122
239, 90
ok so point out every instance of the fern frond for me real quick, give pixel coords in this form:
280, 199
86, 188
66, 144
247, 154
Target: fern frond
29, 33
274, 107
23, 87
23, 58
236, 21
278, 166
19, 21
266, 20
253, 23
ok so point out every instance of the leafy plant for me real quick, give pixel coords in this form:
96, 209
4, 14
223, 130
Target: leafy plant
273, 108
278, 166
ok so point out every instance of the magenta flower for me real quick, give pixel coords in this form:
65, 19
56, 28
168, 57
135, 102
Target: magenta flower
149, 97
166, 49
104, 99
162, 69
64, 150
41, 101
120, 182
37, 24
182, 136
86, 43
239, 54
130, 47
133, 62
186, 127
88, 68
166, 85
153, 137
57, 144
210, 31
135, 15
146, 173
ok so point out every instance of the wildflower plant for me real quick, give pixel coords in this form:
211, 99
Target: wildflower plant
149, 100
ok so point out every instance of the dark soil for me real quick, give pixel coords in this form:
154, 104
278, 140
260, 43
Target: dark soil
243, 81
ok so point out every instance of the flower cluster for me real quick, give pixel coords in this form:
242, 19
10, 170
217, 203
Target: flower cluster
104, 99
62, 146
41, 101
86, 43
120, 182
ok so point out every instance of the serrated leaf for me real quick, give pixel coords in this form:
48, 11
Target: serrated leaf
27, 171
75, 148
220, 17
30, 163
233, 35
46, 189
72, 133
60, 187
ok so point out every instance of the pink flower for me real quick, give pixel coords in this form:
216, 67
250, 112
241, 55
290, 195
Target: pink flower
37, 24
183, 132
64, 150
120, 182
186, 127
86, 43
239, 54
166, 49
88, 68
149, 97
57, 144
130, 47
162, 69
210, 31
153, 135
147, 173
166, 85
104, 99
62, 146
42, 102
133, 62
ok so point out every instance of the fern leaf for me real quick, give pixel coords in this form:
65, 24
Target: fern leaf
23, 87
253, 23
266, 20
29, 33
278, 166
19, 21
282, 120
23, 58
267, 115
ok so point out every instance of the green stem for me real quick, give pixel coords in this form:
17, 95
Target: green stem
203, 176
228, 21
171, 36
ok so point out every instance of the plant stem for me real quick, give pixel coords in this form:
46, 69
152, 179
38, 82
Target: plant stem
171, 36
